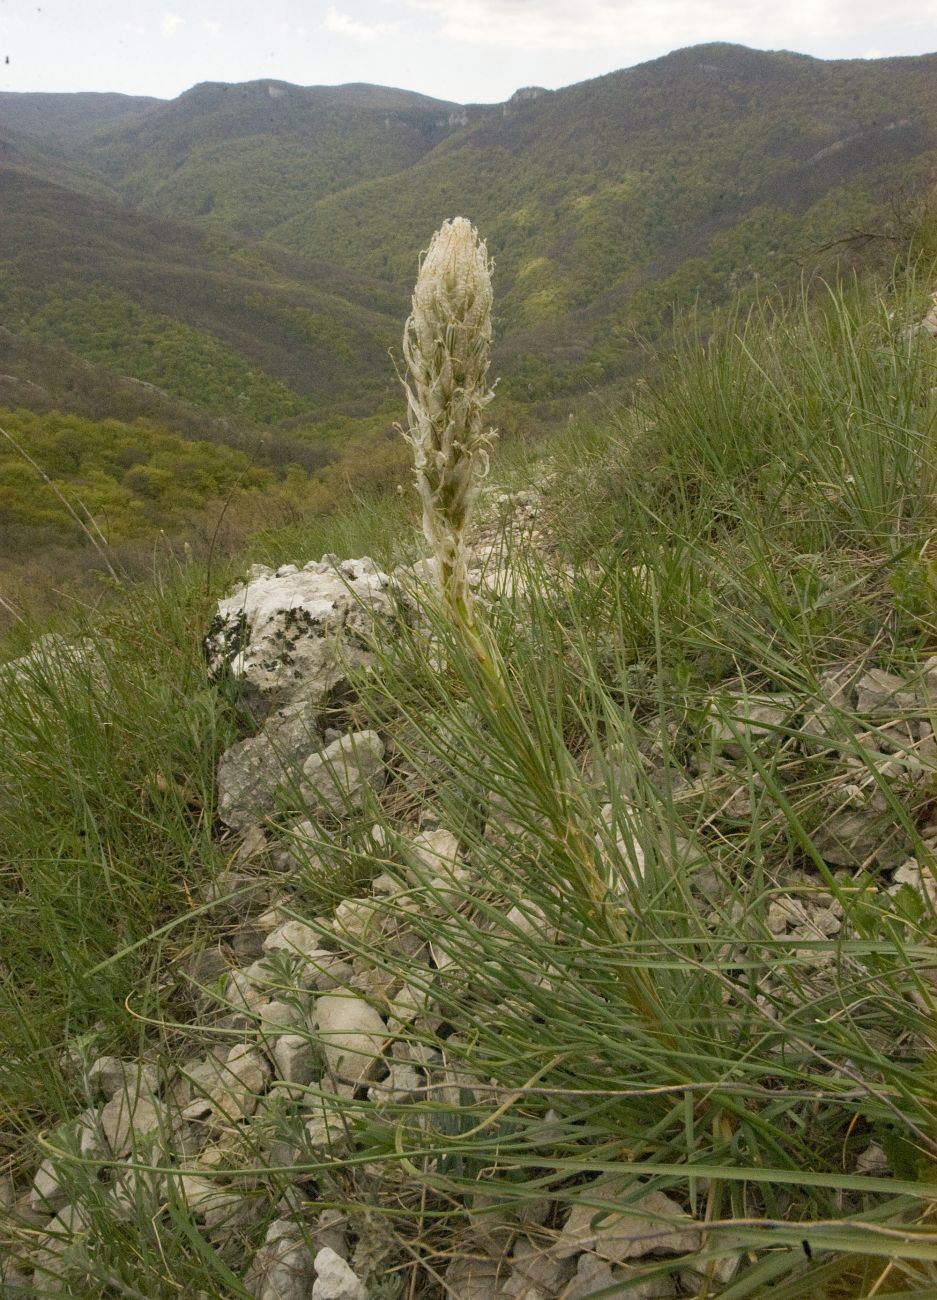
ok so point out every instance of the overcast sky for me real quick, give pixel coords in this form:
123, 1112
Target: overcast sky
465, 50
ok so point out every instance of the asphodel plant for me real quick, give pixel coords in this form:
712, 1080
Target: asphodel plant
447, 349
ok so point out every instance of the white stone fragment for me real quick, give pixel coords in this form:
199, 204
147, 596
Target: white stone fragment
279, 1018
403, 1083
530, 919
352, 1035
880, 692
324, 1129
535, 1262
873, 1161
338, 777
473, 1279
434, 853
386, 886
283, 1268
294, 937
740, 719
295, 1058
358, 918
921, 879
46, 1196
241, 993
335, 1279
325, 969
650, 1223
628, 859
241, 1079
127, 1119
407, 1003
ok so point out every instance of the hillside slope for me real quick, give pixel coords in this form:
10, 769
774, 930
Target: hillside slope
56, 117
693, 176
598, 962
688, 175
250, 156
235, 329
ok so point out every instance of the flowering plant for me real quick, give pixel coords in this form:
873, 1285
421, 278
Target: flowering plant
446, 346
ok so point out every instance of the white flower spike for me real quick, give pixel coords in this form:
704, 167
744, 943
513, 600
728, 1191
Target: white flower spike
447, 345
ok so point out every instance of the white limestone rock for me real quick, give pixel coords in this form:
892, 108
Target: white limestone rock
475, 1278
283, 1268
299, 846
51, 1260
521, 1288
335, 1279
325, 1129
215, 1204
279, 1018
653, 1223
227, 1091
529, 919
52, 656
740, 718
245, 1076
294, 634
921, 879
880, 693
351, 1034
594, 1276
298, 938
295, 1058
241, 992
252, 772
108, 1075
533, 1262
337, 777
128, 1119
859, 829
331, 1229
627, 860
46, 1196
409, 1002
835, 697
318, 967
873, 1161
403, 1083
358, 918
434, 853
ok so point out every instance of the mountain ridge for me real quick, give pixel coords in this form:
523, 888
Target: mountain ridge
688, 177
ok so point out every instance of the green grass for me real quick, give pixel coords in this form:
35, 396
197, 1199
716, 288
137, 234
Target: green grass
761, 515
105, 819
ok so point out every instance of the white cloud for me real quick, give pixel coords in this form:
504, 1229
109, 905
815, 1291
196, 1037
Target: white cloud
633, 24
558, 24
170, 23
134, 29
213, 29
344, 25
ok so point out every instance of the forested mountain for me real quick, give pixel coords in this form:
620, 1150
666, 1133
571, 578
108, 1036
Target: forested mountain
686, 177
235, 265
680, 179
247, 157
234, 329
62, 116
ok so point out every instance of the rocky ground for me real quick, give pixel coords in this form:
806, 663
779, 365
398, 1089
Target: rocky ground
304, 1025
